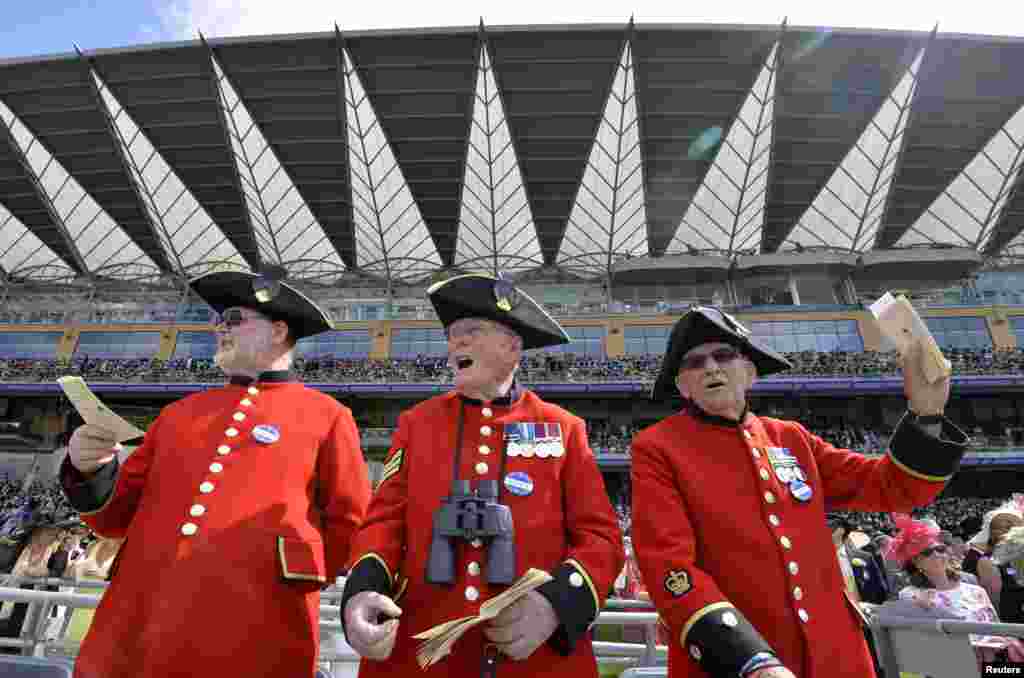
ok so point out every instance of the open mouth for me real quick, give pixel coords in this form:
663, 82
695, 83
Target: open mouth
463, 362
714, 385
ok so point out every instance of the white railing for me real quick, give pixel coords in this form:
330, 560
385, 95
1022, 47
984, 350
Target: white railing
335, 653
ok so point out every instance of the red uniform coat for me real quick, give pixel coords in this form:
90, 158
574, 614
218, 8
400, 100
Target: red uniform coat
238, 507
722, 538
565, 526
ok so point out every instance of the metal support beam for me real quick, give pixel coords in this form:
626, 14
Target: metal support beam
78, 261
156, 224
627, 43
342, 112
226, 128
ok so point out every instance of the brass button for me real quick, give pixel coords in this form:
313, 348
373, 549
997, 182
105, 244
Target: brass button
786, 543
484, 449
798, 593
729, 619
253, 390
487, 412
756, 452
472, 593
575, 580
206, 487
188, 529
476, 543
245, 402
473, 568
793, 567
481, 468
765, 475
223, 449
802, 613
485, 430
216, 467
238, 416
769, 497
774, 520
197, 510
231, 432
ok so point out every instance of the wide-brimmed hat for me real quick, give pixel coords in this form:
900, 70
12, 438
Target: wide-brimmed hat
478, 295
1012, 507
706, 324
912, 537
273, 298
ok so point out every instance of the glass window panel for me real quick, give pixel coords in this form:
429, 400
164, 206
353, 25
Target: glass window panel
125, 345
38, 345
201, 345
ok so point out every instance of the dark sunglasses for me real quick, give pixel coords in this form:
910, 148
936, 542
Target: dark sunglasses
932, 550
721, 356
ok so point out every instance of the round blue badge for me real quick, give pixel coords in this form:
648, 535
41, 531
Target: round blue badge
266, 434
801, 491
519, 484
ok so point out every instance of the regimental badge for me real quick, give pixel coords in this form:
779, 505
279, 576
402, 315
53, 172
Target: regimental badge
677, 582
506, 296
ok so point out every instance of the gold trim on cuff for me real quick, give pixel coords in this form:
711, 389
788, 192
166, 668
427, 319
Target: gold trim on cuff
917, 474
590, 582
379, 559
295, 576
697, 616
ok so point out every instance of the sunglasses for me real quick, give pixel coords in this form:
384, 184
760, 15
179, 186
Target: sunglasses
932, 550
721, 356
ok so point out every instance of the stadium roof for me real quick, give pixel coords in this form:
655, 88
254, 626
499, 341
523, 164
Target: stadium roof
394, 154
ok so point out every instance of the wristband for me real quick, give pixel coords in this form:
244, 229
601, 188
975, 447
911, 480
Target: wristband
761, 660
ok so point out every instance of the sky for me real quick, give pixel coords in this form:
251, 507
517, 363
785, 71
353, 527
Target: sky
39, 27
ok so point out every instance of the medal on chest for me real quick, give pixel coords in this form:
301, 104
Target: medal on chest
790, 473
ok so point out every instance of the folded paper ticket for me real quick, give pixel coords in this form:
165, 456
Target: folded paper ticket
900, 323
438, 641
94, 412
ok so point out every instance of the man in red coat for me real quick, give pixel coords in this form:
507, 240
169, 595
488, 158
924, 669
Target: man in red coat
489, 432
729, 510
236, 510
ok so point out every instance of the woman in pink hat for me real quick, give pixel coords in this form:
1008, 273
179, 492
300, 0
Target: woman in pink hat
936, 585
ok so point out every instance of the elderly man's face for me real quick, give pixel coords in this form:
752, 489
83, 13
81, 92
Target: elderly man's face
245, 339
716, 376
484, 354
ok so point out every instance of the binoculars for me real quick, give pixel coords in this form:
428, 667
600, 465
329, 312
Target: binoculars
469, 515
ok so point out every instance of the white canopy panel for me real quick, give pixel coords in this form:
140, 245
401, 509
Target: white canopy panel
727, 212
496, 229
608, 221
969, 208
391, 236
105, 247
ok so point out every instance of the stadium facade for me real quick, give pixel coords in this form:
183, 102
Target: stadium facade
594, 163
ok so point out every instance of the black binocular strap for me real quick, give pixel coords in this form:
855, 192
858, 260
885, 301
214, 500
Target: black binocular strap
458, 451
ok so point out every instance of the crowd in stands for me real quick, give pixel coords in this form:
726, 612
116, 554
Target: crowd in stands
536, 367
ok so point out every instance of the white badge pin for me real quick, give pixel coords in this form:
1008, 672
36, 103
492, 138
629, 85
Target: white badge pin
266, 434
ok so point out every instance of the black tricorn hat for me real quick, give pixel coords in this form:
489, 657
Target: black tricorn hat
702, 325
275, 299
477, 295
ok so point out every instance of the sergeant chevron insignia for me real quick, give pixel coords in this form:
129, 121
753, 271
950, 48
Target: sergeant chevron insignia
392, 466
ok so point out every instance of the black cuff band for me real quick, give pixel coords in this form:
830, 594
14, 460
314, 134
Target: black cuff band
925, 455
723, 641
88, 494
367, 575
574, 606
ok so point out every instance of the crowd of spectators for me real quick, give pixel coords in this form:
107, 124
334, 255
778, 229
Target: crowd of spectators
46, 500
536, 367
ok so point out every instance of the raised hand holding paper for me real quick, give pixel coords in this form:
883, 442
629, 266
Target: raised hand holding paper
902, 325
95, 413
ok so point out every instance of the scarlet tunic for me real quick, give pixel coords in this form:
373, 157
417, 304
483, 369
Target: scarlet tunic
563, 522
238, 507
735, 551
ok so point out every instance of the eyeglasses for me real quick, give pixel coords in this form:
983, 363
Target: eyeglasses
721, 356
233, 317
932, 550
